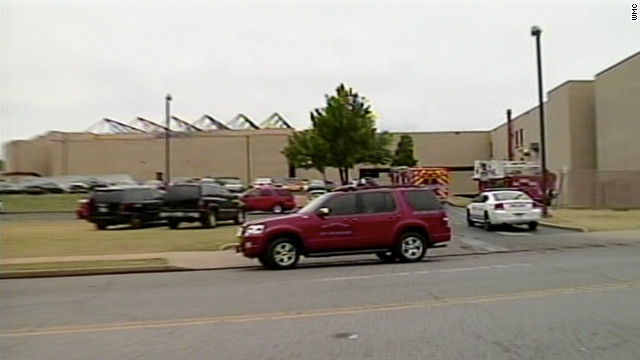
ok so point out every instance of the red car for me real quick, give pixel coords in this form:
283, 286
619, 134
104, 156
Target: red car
393, 222
268, 198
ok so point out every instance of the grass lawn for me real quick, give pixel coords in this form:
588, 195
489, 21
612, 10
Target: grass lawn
66, 265
596, 219
44, 202
21, 239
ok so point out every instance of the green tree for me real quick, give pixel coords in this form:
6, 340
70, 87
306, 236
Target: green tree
347, 125
404, 152
306, 150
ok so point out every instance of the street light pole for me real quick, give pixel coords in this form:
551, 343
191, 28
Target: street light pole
167, 143
537, 32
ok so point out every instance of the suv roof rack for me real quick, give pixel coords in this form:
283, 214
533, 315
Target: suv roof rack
345, 188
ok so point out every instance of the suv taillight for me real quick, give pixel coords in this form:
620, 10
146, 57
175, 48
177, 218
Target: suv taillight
499, 206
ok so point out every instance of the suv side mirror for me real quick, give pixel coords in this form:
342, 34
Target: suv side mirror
322, 212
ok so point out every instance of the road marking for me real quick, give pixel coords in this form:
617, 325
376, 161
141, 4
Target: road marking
160, 324
360, 277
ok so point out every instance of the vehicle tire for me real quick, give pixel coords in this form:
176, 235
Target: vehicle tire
277, 209
470, 222
135, 223
173, 224
210, 220
282, 254
486, 224
239, 218
263, 261
533, 226
101, 226
411, 247
386, 256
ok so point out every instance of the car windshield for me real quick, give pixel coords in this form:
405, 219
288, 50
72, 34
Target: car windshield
314, 204
510, 195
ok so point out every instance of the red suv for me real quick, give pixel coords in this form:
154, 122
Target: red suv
268, 198
395, 223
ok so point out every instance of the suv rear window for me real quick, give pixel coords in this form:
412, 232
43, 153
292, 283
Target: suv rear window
124, 195
181, 192
108, 197
421, 200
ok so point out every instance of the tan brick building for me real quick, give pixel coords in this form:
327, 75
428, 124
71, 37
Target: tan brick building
593, 144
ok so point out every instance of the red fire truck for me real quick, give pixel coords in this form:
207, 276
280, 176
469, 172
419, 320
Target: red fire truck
434, 178
525, 176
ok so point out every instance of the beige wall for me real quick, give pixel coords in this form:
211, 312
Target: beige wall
618, 116
29, 155
459, 148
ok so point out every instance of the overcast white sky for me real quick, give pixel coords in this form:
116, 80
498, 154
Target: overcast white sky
424, 65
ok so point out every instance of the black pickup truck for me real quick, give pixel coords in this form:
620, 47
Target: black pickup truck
205, 203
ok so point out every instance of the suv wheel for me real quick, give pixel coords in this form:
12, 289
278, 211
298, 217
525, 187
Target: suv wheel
282, 254
173, 224
533, 226
386, 256
277, 209
239, 218
101, 226
210, 220
411, 247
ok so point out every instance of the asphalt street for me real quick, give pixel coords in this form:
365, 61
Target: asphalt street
570, 304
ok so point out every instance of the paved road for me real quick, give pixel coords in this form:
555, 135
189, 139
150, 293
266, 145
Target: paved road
578, 304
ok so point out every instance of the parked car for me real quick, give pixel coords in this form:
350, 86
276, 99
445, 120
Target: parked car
262, 182
33, 189
82, 209
78, 187
7, 188
395, 223
316, 185
134, 205
233, 184
292, 184
205, 203
269, 198
498, 207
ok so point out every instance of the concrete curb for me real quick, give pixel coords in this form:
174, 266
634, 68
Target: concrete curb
564, 227
23, 274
